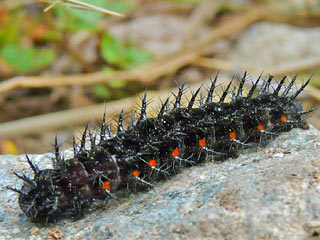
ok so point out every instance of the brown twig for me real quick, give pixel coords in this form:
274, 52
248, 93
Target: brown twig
166, 7
53, 121
204, 12
301, 65
149, 72
223, 65
295, 67
79, 116
80, 5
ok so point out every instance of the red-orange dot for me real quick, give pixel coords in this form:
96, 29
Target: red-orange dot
283, 118
175, 152
202, 142
152, 163
232, 135
135, 173
106, 185
260, 127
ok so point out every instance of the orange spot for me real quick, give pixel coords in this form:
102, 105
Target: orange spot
202, 142
260, 127
152, 163
283, 118
232, 135
106, 185
135, 173
175, 152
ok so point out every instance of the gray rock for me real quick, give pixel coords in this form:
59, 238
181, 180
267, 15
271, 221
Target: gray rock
159, 33
271, 44
273, 193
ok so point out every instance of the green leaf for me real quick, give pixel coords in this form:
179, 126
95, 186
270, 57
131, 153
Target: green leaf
86, 16
74, 20
111, 49
119, 6
102, 91
10, 31
117, 83
114, 52
135, 57
27, 59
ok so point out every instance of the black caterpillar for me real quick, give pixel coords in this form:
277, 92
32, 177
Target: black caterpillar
155, 148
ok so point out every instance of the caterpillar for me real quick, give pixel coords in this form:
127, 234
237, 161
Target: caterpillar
155, 148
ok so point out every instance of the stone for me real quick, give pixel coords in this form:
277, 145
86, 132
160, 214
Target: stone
272, 193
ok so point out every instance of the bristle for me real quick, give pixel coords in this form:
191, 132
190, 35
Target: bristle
143, 114
34, 167
276, 92
254, 86
15, 190
167, 108
301, 88
92, 140
239, 94
83, 139
286, 91
25, 179
211, 90
133, 119
179, 95
193, 98
91, 135
225, 92
103, 128
110, 133
75, 146
120, 121
306, 112
56, 149
163, 108
233, 94
201, 100
266, 86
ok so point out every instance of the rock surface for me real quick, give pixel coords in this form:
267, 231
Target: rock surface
267, 44
273, 193
159, 34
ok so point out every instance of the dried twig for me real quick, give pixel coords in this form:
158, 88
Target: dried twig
301, 65
295, 67
147, 73
80, 116
223, 65
77, 117
205, 11
80, 5
53, 121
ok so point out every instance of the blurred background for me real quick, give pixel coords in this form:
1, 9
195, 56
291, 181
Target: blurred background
62, 68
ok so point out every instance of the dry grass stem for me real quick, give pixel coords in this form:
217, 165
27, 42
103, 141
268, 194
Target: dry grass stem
67, 118
80, 5
300, 65
285, 69
79, 116
149, 72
